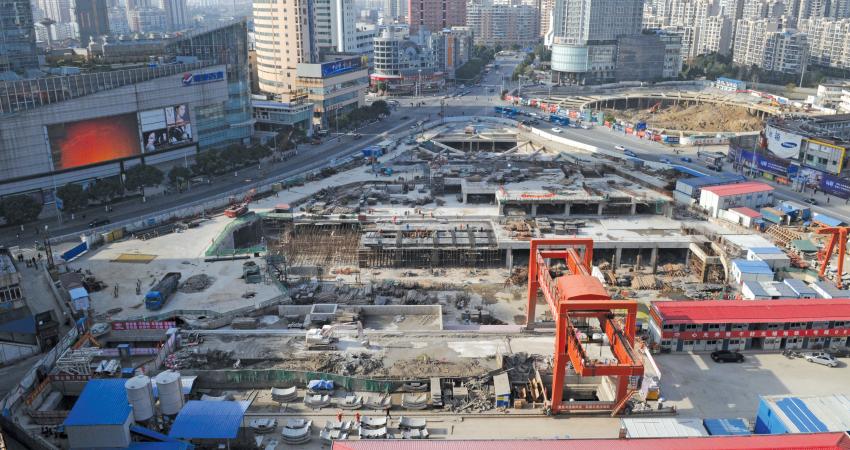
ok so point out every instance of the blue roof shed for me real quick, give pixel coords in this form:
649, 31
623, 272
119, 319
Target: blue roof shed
827, 220
727, 427
102, 402
208, 420
745, 266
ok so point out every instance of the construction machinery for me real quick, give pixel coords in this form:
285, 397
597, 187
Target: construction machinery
575, 299
237, 209
654, 108
325, 338
837, 237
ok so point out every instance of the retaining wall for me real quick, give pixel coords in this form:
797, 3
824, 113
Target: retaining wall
269, 378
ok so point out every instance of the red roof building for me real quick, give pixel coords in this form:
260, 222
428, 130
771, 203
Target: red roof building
818, 441
750, 325
750, 187
748, 212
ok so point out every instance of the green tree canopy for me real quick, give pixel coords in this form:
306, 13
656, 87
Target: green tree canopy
19, 209
74, 198
142, 175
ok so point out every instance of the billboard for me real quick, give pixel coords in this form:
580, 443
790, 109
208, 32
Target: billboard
165, 128
334, 68
782, 143
92, 141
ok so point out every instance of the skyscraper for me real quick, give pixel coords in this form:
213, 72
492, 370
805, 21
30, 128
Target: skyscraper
435, 15
585, 37
92, 19
285, 37
175, 13
17, 36
335, 23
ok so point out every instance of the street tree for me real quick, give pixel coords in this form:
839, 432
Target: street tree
19, 209
74, 198
142, 175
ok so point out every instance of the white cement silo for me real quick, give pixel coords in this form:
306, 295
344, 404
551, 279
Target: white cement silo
140, 396
170, 392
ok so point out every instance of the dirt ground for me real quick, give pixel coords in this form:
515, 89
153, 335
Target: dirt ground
705, 117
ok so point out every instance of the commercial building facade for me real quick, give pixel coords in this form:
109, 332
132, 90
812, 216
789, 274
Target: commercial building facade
403, 65
334, 87
682, 326
50, 136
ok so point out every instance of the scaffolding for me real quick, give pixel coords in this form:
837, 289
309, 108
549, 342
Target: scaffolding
430, 247
323, 244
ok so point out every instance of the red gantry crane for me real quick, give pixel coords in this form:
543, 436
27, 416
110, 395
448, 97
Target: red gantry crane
575, 296
837, 237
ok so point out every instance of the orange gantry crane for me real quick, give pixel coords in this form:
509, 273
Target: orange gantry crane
837, 237
575, 296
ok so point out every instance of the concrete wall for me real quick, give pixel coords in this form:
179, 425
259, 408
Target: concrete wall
100, 436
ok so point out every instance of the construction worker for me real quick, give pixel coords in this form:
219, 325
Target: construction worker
357, 417
339, 415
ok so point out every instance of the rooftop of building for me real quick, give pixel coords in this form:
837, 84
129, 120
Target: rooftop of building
811, 414
753, 311
102, 402
747, 212
816, 127
750, 187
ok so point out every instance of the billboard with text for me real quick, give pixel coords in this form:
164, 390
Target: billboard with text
165, 128
92, 141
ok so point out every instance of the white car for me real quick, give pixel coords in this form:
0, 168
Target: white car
620, 148
585, 127
557, 130
822, 358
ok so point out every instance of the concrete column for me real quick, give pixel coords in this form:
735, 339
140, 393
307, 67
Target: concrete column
618, 255
653, 259
509, 259
599, 210
465, 197
687, 258
634, 208
533, 210
567, 207
501, 209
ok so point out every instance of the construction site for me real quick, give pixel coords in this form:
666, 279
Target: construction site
468, 271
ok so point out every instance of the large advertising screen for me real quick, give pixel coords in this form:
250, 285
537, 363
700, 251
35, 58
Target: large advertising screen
165, 128
91, 141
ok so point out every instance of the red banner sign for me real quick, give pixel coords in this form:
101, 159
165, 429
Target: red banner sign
142, 325
755, 334
69, 377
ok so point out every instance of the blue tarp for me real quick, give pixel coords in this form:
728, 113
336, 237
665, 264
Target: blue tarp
208, 420
726, 427
73, 253
321, 385
102, 402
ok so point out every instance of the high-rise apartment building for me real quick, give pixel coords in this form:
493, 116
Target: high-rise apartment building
335, 25
395, 11
147, 20
503, 25
117, 17
284, 37
175, 14
435, 15
714, 36
828, 40
546, 7
17, 36
764, 44
92, 19
580, 21
761, 9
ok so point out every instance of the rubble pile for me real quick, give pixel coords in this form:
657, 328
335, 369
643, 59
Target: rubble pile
196, 283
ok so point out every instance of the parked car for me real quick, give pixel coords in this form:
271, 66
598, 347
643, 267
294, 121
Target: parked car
585, 127
99, 222
822, 358
686, 159
839, 352
357, 136
557, 130
620, 148
722, 356
811, 201
628, 152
